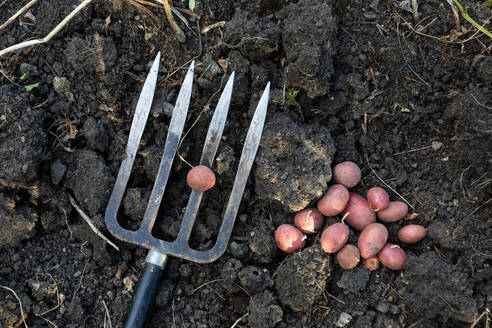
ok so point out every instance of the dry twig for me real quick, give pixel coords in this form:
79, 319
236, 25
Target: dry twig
17, 14
89, 222
485, 313
179, 33
206, 29
20, 303
136, 4
50, 35
239, 320
106, 315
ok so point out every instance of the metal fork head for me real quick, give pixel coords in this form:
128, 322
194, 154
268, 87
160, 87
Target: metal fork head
180, 247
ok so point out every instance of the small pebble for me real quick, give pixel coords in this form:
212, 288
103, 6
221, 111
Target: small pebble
77, 274
382, 307
343, 320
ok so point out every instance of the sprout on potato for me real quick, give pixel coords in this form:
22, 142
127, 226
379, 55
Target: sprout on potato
309, 220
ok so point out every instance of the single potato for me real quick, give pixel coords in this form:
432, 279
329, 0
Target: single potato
360, 214
334, 237
412, 233
334, 201
394, 212
372, 239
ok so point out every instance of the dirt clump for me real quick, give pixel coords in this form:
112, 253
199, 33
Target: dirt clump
300, 281
17, 221
91, 181
23, 141
354, 280
445, 287
264, 310
308, 45
293, 162
256, 37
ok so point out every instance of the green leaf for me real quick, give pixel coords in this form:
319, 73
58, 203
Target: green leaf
405, 110
31, 86
488, 4
24, 77
191, 4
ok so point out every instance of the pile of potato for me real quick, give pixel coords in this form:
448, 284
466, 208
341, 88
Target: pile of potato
360, 213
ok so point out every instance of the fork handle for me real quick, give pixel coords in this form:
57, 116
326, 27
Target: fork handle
147, 286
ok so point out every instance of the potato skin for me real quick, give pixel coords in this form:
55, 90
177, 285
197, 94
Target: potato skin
334, 237
394, 212
378, 198
372, 239
347, 174
348, 257
412, 233
309, 220
200, 178
371, 263
392, 257
334, 201
361, 214
289, 239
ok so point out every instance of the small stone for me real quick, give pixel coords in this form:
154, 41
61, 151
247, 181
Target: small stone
77, 274
382, 307
164, 109
58, 170
436, 145
343, 320
61, 84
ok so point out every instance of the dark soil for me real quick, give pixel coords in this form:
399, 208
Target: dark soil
350, 80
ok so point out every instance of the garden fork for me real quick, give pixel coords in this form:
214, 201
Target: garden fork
160, 249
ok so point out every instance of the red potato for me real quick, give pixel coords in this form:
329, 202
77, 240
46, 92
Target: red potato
412, 233
378, 198
372, 240
334, 237
371, 263
334, 201
394, 212
289, 238
347, 174
200, 178
360, 214
392, 257
348, 257
309, 220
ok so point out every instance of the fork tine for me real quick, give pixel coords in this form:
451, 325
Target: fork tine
212, 142
245, 164
173, 135
217, 124
139, 120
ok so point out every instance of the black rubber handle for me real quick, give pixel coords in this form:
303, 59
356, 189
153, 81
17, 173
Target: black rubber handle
144, 296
